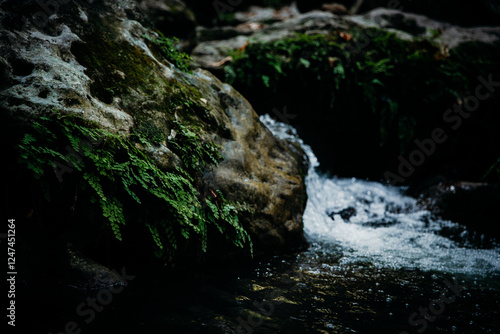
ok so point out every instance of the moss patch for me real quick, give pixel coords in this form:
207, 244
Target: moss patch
115, 68
167, 47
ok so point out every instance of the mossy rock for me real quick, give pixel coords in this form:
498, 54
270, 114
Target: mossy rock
95, 72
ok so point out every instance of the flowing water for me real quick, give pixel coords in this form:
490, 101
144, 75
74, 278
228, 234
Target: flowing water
376, 223
378, 263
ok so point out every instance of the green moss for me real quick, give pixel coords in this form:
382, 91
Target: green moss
150, 132
115, 68
167, 47
118, 68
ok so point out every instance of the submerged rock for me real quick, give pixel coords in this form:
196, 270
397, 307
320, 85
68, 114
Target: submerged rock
84, 274
345, 214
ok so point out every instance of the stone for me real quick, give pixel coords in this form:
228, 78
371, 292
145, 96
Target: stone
69, 65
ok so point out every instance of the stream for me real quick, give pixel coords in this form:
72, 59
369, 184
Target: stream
377, 263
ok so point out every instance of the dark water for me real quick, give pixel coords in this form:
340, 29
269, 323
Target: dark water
377, 264
310, 292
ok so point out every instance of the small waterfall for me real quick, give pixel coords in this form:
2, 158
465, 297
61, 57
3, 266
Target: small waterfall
376, 223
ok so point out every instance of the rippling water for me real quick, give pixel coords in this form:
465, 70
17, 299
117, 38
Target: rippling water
376, 223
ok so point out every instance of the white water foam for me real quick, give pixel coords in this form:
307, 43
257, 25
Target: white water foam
385, 227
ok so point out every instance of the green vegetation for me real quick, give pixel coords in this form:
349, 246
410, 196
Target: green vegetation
167, 47
193, 154
124, 182
384, 91
378, 76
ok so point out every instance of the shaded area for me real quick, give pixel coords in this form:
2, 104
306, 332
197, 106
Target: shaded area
361, 108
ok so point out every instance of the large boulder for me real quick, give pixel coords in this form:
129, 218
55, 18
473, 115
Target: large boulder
92, 60
420, 26
458, 12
